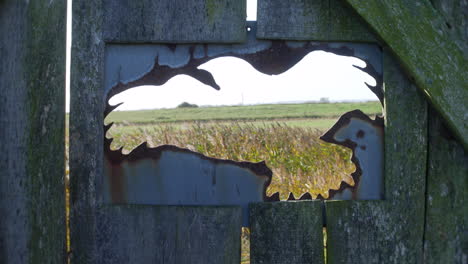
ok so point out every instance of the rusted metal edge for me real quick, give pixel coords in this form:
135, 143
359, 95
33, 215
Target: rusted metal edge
377, 89
276, 197
276, 59
344, 120
142, 151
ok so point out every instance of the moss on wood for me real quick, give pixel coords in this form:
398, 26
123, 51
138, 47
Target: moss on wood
418, 35
445, 239
35, 113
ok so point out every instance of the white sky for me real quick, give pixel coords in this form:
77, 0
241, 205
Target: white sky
318, 75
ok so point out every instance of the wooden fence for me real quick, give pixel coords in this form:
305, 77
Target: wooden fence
420, 220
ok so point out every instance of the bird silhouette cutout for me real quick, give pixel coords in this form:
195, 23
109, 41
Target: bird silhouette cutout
170, 175
364, 136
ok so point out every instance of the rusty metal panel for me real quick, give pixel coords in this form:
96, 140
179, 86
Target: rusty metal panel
364, 136
169, 175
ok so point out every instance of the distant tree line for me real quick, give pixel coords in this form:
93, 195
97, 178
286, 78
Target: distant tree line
187, 105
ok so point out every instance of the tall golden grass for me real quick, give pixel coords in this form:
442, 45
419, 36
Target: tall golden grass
300, 161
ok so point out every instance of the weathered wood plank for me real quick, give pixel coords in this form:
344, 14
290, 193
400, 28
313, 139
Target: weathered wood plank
454, 13
405, 138
220, 21
169, 234
320, 20
360, 232
86, 121
295, 20
346, 25
286, 232
418, 35
32, 116
447, 189
405, 161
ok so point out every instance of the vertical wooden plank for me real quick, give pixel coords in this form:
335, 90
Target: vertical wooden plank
32, 116
169, 234
295, 20
286, 232
406, 122
391, 230
356, 231
447, 188
86, 121
175, 21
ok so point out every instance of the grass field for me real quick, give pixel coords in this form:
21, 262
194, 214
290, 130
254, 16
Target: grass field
243, 113
286, 136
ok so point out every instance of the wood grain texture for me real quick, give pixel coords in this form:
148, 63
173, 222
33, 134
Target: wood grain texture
297, 19
455, 15
86, 120
321, 20
419, 37
32, 123
346, 25
388, 231
360, 232
175, 21
447, 191
169, 234
405, 162
286, 232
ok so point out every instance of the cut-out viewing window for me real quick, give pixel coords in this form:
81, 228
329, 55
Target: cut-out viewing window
274, 104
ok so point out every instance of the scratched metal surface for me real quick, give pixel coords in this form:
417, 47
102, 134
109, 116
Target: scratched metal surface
168, 175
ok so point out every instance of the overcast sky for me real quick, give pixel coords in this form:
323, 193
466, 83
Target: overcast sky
318, 75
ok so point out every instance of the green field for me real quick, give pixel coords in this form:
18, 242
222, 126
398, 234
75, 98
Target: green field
286, 136
243, 113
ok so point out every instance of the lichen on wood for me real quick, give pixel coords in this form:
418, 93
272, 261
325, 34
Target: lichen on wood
362, 232
86, 141
286, 232
32, 124
431, 55
321, 20
445, 238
